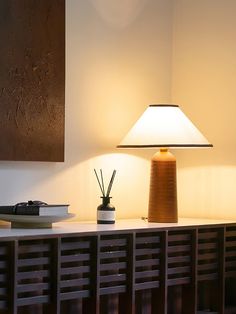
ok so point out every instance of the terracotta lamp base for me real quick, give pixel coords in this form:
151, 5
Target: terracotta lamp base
163, 188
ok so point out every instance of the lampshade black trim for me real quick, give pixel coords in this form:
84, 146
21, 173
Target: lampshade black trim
163, 105
164, 145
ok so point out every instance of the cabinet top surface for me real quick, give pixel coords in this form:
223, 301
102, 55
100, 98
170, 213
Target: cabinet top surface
64, 228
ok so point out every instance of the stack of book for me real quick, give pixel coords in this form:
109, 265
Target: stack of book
35, 208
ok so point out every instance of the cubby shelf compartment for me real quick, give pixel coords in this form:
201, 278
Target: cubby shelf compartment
230, 270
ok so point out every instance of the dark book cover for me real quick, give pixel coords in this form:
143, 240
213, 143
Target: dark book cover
37, 210
6, 210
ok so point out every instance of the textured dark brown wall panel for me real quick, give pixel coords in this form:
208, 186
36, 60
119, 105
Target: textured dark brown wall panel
32, 80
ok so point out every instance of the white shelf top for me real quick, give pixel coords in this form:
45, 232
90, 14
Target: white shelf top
64, 228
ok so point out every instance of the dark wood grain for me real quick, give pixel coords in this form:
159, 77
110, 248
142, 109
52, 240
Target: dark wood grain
172, 271
32, 80
12, 302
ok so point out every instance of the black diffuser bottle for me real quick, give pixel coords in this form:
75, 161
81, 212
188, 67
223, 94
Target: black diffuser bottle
106, 211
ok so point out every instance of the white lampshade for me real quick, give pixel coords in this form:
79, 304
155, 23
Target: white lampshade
164, 126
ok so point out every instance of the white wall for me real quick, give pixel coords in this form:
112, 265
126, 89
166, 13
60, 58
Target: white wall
118, 61
204, 80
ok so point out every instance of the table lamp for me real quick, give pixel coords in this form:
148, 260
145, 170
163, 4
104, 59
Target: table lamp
163, 126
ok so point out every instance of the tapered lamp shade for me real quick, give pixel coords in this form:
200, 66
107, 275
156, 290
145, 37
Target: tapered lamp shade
163, 126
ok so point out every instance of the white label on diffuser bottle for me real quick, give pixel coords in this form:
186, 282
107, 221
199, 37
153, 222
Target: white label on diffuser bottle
106, 215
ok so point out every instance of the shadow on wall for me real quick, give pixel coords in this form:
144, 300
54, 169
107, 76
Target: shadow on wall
215, 156
120, 13
207, 191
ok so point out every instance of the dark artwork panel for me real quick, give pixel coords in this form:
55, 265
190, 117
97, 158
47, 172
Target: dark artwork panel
32, 80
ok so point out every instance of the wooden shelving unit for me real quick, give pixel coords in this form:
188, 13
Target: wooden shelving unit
132, 267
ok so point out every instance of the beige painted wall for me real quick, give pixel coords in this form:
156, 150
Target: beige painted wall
204, 84
118, 60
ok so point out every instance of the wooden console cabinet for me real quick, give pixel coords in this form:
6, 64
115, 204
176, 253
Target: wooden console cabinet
132, 267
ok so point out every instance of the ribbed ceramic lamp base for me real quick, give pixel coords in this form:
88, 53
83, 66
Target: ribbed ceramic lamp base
163, 188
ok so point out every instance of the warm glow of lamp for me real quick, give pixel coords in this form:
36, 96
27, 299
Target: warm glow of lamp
163, 126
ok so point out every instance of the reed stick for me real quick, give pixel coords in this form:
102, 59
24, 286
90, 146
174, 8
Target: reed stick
103, 193
103, 188
111, 182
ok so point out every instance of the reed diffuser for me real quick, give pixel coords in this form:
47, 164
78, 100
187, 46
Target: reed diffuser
105, 211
